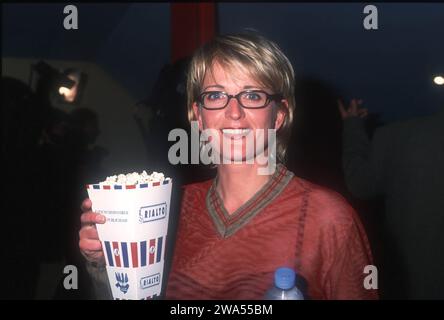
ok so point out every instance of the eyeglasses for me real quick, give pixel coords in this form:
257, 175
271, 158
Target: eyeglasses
249, 99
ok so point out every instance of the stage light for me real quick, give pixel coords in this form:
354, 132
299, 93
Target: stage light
70, 86
64, 91
439, 80
55, 86
70, 93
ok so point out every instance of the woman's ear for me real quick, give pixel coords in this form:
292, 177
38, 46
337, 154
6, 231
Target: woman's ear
197, 115
281, 114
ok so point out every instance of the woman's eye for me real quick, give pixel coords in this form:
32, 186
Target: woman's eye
215, 96
252, 96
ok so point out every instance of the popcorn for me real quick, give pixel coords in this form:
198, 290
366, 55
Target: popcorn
134, 178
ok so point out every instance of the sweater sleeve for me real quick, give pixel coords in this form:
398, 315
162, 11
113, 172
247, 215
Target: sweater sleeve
363, 161
336, 249
346, 278
100, 283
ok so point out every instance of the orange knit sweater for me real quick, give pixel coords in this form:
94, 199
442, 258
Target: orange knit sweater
289, 222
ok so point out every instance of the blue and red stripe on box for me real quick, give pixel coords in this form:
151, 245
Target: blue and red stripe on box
133, 254
126, 187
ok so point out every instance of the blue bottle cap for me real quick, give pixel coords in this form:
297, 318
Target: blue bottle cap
284, 278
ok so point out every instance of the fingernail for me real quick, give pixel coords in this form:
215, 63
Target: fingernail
101, 219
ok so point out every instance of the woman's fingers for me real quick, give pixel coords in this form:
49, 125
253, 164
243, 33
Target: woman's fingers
90, 252
90, 246
88, 232
86, 205
89, 218
89, 243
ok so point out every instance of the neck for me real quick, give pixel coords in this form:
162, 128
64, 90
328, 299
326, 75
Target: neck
237, 183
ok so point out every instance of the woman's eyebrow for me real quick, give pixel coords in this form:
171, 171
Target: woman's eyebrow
213, 86
218, 86
252, 87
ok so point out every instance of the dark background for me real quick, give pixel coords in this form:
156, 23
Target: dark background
390, 68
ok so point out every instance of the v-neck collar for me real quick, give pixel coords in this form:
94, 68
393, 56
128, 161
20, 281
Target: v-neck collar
227, 224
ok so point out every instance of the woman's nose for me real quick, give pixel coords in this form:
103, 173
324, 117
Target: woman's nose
234, 110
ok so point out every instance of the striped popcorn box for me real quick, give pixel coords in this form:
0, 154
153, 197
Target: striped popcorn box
134, 235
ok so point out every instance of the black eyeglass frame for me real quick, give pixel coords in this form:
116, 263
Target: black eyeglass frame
270, 97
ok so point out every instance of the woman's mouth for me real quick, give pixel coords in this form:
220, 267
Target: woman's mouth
236, 134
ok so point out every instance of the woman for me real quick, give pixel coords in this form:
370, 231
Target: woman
237, 229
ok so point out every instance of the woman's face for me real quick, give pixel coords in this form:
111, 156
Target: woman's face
224, 122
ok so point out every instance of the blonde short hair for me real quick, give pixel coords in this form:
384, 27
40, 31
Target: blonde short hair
262, 58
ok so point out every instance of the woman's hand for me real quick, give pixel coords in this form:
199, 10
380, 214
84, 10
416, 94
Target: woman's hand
89, 242
353, 110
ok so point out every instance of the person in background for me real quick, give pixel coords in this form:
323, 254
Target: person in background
404, 162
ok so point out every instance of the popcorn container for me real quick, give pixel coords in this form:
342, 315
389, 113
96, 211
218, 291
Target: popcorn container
134, 235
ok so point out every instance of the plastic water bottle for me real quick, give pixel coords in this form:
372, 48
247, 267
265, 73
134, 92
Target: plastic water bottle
284, 286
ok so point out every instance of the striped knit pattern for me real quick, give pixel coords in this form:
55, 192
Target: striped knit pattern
226, 223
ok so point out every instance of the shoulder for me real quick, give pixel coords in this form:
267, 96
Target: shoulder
332, 221
405, 128
198, 186
324, 208
193, 201
317, 194
198, 189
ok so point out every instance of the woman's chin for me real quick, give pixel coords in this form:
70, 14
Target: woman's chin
238, 157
